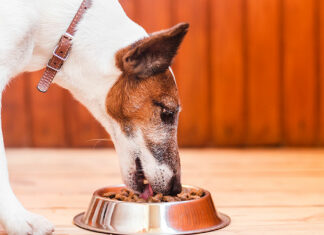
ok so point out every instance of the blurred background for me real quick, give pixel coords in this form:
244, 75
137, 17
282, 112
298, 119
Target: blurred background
250, 73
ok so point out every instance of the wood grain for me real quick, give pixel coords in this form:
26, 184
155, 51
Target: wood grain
227, 57
321, 71
15, 116
82, 130
263, 72
263, 191
250, 73
299, 72
192, 74
48, 127
153, 15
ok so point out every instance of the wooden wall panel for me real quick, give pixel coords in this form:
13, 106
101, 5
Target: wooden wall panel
192, 74
15, 114
263, 72
227, 56
321, 70
48, 127
299, 72
82, 130
146, 14
250, 72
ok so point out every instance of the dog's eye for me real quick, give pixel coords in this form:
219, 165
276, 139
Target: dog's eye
167, 116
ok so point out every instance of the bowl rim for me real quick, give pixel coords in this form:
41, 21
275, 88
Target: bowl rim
225, 221
97, 195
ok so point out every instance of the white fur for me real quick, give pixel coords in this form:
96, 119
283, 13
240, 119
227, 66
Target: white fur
29, 31
153, 170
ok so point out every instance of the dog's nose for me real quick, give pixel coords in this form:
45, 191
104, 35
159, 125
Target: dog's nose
175, 186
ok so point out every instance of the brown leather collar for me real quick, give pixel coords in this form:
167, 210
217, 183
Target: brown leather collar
62, 49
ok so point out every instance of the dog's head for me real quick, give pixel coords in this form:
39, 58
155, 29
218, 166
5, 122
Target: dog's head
144, 106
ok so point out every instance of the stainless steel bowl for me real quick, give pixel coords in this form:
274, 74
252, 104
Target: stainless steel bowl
184, 217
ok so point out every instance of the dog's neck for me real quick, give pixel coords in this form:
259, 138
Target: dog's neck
90, 70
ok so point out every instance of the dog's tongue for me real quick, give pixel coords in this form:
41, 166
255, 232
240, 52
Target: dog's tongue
148, 192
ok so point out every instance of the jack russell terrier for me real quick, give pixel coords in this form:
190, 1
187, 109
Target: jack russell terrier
118, 71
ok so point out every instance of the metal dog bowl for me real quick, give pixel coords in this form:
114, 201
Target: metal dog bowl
116, 217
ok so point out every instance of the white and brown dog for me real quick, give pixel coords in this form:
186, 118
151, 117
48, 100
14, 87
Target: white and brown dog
118, 71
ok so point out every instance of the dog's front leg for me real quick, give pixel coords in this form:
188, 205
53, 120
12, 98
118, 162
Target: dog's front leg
13, 216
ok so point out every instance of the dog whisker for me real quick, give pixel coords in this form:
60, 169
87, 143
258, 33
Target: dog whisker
98, 140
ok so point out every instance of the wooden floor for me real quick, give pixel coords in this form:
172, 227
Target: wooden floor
263, 191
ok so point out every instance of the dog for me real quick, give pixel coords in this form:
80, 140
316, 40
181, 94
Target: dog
119, 72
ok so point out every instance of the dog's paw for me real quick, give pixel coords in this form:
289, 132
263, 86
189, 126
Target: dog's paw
27, 223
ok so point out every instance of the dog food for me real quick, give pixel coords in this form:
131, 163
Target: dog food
129, 196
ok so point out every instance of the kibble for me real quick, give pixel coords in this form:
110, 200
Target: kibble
127, 195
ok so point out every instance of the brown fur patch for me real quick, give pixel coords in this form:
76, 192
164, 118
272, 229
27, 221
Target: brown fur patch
146, 94
131, 101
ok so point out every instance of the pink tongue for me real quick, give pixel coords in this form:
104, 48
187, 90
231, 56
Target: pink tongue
148, 192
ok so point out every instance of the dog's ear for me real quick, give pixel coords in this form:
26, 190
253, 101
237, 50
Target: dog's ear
151, 55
